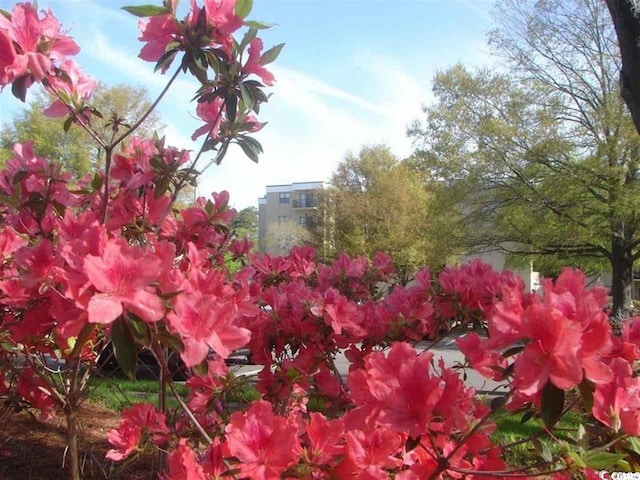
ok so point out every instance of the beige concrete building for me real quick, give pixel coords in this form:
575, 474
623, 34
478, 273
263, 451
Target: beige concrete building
296, 204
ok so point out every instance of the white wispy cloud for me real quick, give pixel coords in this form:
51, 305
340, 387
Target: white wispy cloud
313, 122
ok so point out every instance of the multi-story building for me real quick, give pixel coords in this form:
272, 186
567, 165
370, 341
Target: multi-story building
294, 203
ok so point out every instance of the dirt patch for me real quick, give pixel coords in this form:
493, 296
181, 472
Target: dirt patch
31, 449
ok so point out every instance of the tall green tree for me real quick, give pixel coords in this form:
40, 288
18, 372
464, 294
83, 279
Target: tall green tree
119, 105
246, 224
378, 203
545, 157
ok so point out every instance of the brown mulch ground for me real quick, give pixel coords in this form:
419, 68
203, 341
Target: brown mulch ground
34, 450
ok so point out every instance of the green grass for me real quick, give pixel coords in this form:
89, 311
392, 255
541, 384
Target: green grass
511, 430
118, 393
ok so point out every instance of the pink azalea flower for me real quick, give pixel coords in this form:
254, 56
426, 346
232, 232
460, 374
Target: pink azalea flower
397, 391
211, 25
551, 354
482, 359
76, 85
240, 247
35, 391
341, 314
157, 32
325, 439
9, 242
204, 388
253, 65
154, 423
222, 17
122, 275
37, 263
264, 443
37, 44
617, 403
183, 465
629, 343
125, 439
214, 464
139, 422
373, 450
205, 322
7, 57
211, 113
476, 285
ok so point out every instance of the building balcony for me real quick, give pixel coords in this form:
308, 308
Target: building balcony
308, 203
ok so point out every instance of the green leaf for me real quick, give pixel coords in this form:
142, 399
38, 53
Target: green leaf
165, 60
507, 372
96, 182
586, 392
162, 185
6, 200
292, 374
552, 404
67, 123
602, 460
580, 437
498, 402
231, 104
141, 332
543, 450
58, 208
212, 60
271, 54
200, 59
19, 88
512, 351
527, 416
146, 10
19, 176
412, 443
259, 25
5, 14
578, 460
243, 8
124, 347
251, 147
170, 341
200, 369
200, 74
248, 37
634, 443
94, 111
246, 96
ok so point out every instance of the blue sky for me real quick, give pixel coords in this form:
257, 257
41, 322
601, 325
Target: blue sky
353, 72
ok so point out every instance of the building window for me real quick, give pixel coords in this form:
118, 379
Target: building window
305, 200
285, 197
302, 221
282, 218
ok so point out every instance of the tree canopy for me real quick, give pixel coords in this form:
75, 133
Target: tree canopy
119, 105
245, 224
283, 236
542, 160
378, 203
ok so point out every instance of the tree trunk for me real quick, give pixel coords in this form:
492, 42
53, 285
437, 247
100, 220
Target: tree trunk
626, 19
622, 277
72, 442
